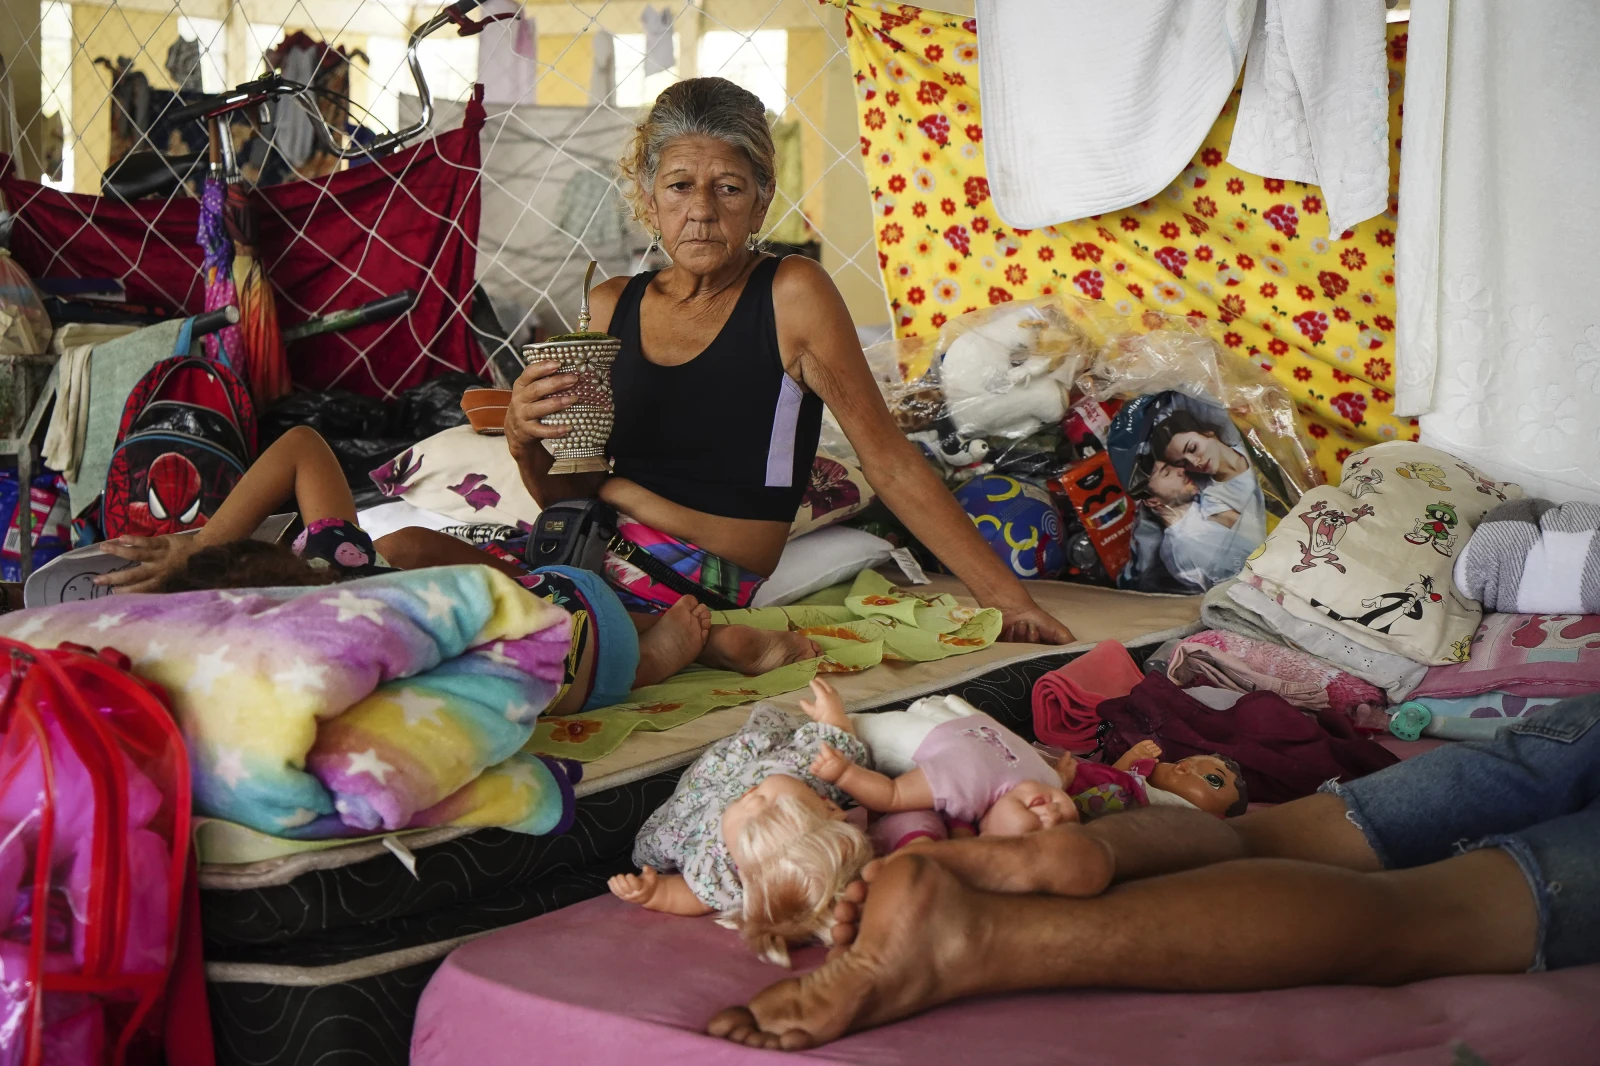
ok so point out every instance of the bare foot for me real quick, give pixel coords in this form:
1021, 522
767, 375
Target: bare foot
1061, 861
922, 942
752, 651
673, 642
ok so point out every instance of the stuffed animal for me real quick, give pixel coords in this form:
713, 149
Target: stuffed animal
1011, 373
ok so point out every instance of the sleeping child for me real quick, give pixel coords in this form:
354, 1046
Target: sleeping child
751, 834
951, 757
612, 652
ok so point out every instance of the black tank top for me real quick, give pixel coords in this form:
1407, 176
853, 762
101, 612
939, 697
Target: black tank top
728, 433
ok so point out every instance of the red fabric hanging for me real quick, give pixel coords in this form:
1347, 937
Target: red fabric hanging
409, 221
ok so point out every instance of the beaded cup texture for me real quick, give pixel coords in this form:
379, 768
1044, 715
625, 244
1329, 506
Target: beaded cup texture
589, 356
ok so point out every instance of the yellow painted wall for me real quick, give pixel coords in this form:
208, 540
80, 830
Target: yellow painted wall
571, 60
808, 53
111, 32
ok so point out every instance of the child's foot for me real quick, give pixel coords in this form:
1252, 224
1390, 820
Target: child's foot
676, 640
752, 651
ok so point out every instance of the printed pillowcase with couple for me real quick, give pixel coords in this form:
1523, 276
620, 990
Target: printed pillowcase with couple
1203, 493
1372, 559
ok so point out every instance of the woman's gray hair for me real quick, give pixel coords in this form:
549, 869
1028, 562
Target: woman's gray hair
710, 107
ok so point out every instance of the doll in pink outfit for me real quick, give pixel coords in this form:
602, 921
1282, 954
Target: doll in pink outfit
962, 763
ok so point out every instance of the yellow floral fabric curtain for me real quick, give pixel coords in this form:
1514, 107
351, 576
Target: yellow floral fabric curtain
1248, 255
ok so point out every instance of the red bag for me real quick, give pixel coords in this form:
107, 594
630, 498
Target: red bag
94, 830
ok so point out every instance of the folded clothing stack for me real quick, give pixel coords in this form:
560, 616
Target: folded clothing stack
1220, 659
1519, 663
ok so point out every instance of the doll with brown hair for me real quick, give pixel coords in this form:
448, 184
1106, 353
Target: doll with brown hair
752, 835
1210, 783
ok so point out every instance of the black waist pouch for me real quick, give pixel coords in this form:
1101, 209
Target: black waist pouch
573, 533
580, 532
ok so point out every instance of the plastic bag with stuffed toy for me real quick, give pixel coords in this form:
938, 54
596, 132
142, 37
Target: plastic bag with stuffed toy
1065, 393
988, 393
24, 324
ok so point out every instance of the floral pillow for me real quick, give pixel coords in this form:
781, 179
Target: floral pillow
837, 491
471, 477
462, 475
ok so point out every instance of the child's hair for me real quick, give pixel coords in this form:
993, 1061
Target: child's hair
1241, 804
796, 863
245, 564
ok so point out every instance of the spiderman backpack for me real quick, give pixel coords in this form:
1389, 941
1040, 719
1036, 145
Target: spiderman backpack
188, 434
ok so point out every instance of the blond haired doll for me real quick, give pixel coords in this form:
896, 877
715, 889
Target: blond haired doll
752, 835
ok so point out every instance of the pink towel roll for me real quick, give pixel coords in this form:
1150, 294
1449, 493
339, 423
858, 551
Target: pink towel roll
1064, 700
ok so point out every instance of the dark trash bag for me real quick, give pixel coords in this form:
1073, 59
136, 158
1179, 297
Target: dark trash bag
433, 406
334, 414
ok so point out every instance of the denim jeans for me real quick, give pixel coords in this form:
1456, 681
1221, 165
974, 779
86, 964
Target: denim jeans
1534, 791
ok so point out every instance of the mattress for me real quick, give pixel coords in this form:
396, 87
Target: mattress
322, 952
617, 998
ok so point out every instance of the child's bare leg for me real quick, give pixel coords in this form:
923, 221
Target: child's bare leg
751, 651
671, 640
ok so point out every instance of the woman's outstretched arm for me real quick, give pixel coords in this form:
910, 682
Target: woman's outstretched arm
815, 330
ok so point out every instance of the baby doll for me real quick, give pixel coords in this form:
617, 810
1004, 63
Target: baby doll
1211, 783
752, 833
950, 757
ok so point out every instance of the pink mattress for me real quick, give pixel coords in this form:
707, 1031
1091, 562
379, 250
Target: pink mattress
607, 984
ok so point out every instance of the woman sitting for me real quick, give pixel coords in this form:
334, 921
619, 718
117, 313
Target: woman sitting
728, 357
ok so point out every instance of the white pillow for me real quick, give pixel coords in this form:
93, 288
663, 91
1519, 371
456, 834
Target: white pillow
820, 559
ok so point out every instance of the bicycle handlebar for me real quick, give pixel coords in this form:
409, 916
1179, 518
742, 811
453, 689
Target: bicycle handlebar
246, 95
454, 14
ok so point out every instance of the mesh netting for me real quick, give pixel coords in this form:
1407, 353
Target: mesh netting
491, 227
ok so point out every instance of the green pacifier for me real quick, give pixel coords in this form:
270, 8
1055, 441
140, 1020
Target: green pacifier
1408, 720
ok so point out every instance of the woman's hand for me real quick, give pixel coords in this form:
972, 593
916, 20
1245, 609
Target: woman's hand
157, 558
1029, 624
534, 397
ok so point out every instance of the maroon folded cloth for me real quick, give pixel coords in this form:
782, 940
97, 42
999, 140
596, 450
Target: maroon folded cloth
1284, 752
1064, 700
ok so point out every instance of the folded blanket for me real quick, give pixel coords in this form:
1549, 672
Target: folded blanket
1064, 700
1395, 674
857, 626
1372, 558
1219, 611
1535, 655
1195, 663
334, 710
1283, 752
1228, 660
1534, 557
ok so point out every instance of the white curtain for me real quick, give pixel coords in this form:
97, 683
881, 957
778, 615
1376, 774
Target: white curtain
1498, 250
